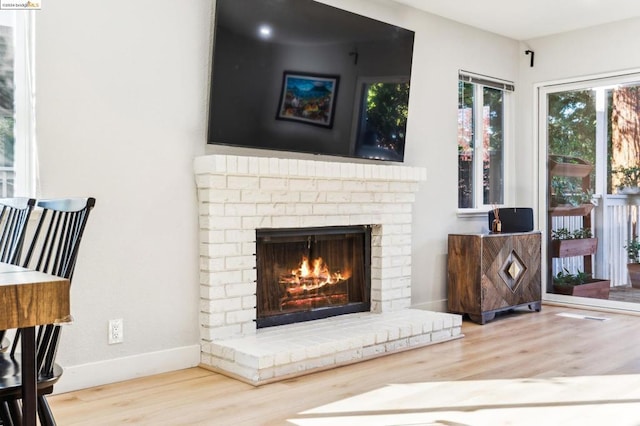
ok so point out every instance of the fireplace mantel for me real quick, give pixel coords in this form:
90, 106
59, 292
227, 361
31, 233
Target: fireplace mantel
239, 194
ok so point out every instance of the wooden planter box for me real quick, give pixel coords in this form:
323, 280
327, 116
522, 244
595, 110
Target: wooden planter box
574, 247
569, 210
634, 274
560, 165
598, 289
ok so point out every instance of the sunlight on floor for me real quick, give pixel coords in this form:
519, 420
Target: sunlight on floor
582, 316
597, 400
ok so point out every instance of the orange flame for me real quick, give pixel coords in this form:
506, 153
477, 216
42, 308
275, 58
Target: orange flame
318, 271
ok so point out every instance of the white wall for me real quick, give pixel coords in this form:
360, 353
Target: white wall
441, 49
574, 55
122, 105
601, 49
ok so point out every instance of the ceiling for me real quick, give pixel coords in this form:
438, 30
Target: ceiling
527, 19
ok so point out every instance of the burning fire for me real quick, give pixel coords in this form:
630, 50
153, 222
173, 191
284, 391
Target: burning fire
313, 285
315, 274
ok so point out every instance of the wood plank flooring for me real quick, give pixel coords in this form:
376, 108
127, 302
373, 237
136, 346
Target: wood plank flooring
625, 294
522, 368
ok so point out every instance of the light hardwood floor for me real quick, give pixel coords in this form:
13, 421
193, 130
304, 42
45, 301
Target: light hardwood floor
522, 368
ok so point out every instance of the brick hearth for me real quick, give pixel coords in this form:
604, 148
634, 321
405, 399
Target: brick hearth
238, 195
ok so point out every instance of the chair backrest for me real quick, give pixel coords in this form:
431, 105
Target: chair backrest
14, 218
55, 241
53, 249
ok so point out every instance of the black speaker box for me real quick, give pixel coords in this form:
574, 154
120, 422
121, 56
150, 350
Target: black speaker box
514, 219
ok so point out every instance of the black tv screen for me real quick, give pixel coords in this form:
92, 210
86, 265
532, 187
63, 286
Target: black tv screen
303, 76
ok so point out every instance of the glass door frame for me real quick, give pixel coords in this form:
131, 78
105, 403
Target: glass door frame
541, 91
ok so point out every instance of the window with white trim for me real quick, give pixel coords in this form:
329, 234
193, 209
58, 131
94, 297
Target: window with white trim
17, 105
483, 135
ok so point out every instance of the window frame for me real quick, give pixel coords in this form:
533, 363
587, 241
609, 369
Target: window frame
479, 82
25, 153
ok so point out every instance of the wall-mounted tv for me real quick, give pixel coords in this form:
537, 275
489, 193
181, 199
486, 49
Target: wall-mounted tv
303, 76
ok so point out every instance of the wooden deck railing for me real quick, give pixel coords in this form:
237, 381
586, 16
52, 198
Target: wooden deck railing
615, 221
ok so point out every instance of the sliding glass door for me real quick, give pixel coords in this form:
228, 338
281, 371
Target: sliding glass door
590, 190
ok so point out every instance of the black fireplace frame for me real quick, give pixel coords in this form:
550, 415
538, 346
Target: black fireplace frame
282, 234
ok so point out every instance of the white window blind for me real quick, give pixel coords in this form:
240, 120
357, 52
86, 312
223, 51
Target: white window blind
485, 80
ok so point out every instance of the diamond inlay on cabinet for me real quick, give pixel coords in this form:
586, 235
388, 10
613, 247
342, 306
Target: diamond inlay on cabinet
512, 270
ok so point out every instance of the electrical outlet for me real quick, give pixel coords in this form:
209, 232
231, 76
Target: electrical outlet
116, 331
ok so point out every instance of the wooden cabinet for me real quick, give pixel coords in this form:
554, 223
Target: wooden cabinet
490, 273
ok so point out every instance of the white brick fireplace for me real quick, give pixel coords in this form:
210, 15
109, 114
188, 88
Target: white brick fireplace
238, 195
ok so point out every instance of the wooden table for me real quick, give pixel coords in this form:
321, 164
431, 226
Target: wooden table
28, 299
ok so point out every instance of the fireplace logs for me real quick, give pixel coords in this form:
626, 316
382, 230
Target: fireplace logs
313, 286
295, 274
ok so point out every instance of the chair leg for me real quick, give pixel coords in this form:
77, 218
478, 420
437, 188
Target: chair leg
11, 410
5, 415
44, 412
15, 411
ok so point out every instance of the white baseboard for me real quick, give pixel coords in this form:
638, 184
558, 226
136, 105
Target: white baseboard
434, 305
119, 369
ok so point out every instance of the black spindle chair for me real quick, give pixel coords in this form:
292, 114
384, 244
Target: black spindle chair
14, 218
52, 247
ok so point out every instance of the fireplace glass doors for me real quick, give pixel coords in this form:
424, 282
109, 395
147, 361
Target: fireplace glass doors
312, 273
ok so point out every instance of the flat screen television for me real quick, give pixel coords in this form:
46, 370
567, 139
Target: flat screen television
303, 76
